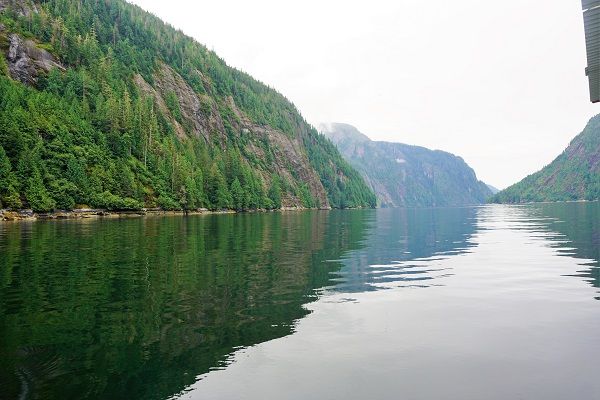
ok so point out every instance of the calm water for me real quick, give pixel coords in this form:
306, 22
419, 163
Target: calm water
494, 302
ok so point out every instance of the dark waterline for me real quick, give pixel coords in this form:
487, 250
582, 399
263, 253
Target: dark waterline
143, 308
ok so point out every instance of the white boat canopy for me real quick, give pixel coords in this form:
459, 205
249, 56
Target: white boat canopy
591, 20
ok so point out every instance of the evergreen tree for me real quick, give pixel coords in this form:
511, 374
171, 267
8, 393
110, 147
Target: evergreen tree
237, 195
191, 191
3, 67
77, 176
36, 194
223, 197
305, 197
63, 192
199, 195
216, 190
184, 198
275, 192
9, 196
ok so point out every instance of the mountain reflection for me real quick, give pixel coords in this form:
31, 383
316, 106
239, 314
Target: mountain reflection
138, 308
578, 226
403, 247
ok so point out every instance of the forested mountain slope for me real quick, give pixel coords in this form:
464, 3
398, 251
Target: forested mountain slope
104, 105
408, 176
573, 175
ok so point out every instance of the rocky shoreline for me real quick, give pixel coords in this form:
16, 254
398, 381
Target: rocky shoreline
88, 213
29, 215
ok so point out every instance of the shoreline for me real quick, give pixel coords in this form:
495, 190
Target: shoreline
25, 215
30, 215
546, 202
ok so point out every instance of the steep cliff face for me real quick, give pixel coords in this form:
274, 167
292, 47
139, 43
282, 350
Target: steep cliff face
287, 153
26, 61
22, 8
198, 115
160, 113
408, 176
573, 175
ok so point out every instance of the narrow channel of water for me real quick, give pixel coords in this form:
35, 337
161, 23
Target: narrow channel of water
492, 302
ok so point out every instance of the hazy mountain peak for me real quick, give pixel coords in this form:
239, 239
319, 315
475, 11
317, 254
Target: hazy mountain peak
402, 175
493, 188
337, 131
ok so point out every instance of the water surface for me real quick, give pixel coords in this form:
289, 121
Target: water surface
492, 302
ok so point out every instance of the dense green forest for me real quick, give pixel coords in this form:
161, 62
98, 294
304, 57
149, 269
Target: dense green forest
136, 114
573, 175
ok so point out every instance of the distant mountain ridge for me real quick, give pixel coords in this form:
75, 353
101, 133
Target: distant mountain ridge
573, 175
493, 188
402, 175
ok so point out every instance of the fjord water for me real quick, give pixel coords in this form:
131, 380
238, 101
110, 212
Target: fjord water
490, 302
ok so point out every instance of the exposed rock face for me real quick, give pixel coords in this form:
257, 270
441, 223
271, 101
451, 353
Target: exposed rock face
288, 155
201, 118
22, 7
26, 60
149, 91
408, 176
200, 113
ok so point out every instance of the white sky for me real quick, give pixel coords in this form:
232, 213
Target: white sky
500, 83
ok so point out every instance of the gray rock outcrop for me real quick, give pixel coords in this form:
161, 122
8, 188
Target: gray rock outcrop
22, 7
26, 61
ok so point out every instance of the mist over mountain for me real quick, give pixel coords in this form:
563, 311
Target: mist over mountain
493, 189
402, 175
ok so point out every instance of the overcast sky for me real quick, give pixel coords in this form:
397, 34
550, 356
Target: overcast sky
501, 83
